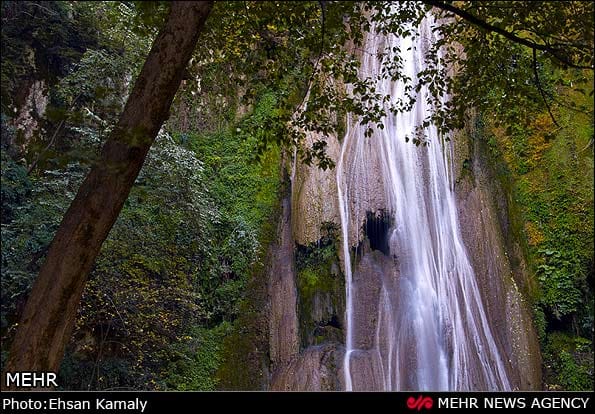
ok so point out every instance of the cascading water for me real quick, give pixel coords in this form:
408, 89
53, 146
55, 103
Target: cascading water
431, 327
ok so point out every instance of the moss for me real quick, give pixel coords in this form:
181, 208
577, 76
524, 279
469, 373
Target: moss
546, 173
320, 288
509, 213
311, 281
245, 350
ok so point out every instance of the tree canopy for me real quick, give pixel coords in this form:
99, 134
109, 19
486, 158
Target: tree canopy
311, 48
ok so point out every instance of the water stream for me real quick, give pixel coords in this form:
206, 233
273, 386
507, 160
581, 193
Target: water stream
431, 327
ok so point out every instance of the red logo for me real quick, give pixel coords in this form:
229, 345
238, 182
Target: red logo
419, 403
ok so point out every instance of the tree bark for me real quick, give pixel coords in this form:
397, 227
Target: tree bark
50, 313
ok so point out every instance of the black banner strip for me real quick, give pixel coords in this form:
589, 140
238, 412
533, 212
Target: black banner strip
399, 402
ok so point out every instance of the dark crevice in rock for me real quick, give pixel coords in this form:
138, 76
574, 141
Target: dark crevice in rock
334, 322
376, 228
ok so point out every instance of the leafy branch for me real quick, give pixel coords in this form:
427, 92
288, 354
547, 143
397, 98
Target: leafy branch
548, 48
541, 92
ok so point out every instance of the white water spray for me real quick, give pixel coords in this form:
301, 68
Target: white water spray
432, 331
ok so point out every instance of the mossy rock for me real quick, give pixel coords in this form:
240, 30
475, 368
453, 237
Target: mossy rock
321, 291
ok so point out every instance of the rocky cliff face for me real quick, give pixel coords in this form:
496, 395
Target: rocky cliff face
497, 256
307, 346
306, 290
314, 196
283, 321
30, 112
317, 368
436, 283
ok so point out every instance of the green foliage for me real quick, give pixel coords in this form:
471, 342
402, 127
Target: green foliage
556, 191
318, 274
263, 127
246, 190
15, 187
193, 270
149, 16
237, 177
318, 254
140, 289
572, 375
196, 359
41, 38
177, 259
179, 256
143, 289
127, 29
96, 82
551, 173
496, 74
299, 48
27, 231
83, 106
87, 54
540, 323
245, 349
251, 47
569, 362
559, 284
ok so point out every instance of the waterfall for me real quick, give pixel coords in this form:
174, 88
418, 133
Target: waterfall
430, 324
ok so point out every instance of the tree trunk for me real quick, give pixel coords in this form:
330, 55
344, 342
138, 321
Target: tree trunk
49, 316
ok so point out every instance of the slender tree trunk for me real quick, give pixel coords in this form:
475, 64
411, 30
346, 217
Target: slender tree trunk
49, 316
